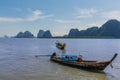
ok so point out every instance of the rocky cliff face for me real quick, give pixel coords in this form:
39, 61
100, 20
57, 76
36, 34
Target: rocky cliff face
25, 34
47, 34
74, 32
42, 33
110, 29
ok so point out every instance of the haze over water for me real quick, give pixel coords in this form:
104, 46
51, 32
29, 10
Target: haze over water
18, 61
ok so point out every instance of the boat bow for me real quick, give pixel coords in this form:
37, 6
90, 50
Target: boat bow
115, 55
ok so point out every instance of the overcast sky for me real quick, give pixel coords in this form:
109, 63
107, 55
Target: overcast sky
58, 16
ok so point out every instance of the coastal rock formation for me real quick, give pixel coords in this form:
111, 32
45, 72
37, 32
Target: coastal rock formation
26, 34
42, 34
74, 32
47, 34
110, 29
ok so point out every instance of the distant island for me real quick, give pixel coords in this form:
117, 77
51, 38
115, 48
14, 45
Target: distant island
28, 34
110, 29
25, 34
43, 33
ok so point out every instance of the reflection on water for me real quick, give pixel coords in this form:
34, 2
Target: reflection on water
63, 51
18, 61
83, 75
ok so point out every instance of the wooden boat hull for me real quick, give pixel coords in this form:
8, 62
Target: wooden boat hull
60, 45
88, 65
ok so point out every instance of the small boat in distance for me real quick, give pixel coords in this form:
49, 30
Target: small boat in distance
78, 62
60, 45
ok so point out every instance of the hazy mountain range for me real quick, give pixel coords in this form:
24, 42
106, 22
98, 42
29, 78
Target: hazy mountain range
109, 29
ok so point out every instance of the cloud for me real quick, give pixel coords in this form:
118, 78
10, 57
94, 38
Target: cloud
66, 21
3, 19
96, 23
111, 14
36, 15
85, 13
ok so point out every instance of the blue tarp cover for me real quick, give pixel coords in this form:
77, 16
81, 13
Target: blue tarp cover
69, 57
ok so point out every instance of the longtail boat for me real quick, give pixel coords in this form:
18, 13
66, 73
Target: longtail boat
78, 62
60, 45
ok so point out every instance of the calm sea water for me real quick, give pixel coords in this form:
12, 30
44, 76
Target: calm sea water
18, 61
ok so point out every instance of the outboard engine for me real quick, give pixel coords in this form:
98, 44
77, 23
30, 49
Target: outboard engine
54, 54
